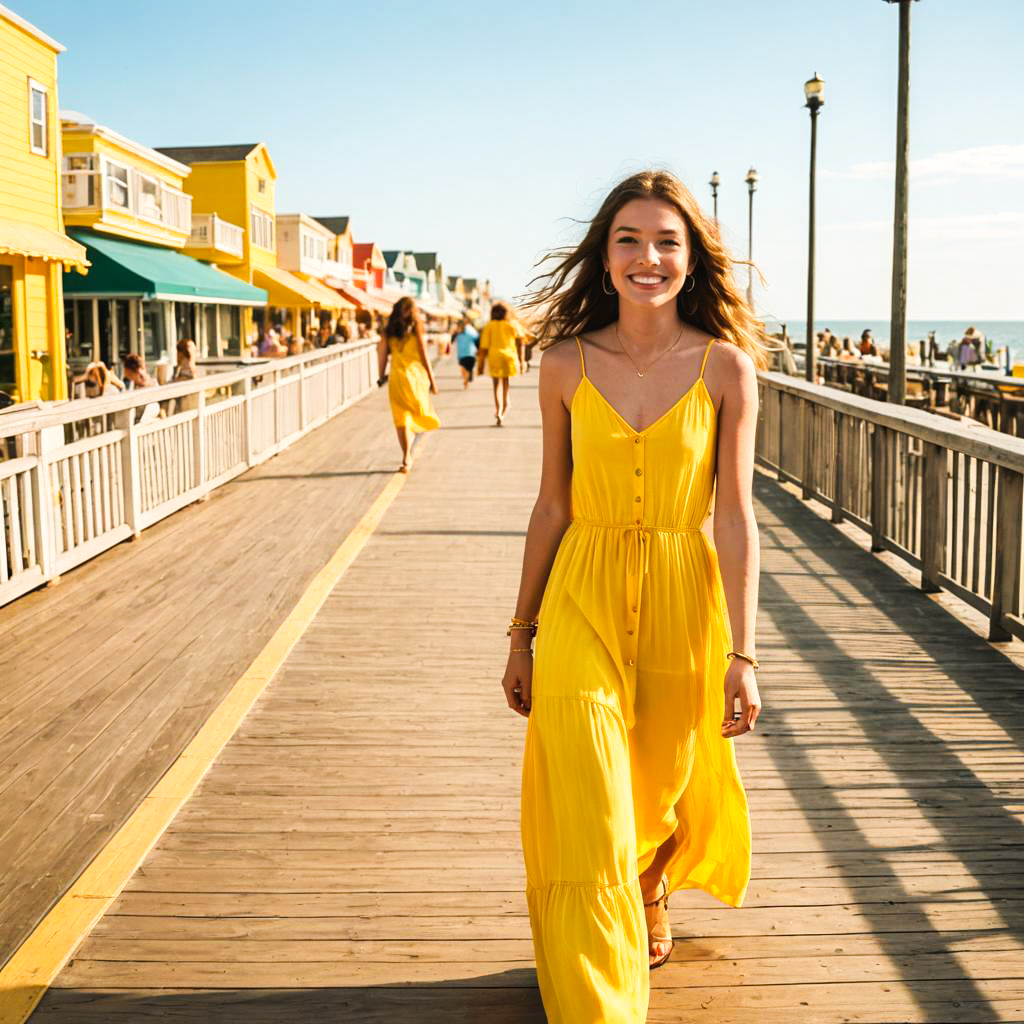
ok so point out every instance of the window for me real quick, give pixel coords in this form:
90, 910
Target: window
149, 198
261, 225
38, 128
261, 184
79, 181
117, 185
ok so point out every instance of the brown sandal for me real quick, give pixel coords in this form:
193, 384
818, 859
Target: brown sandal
653, 937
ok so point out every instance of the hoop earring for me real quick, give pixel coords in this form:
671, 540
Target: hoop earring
693, 284
604, 287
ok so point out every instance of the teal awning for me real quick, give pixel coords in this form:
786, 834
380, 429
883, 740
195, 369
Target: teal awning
122, 269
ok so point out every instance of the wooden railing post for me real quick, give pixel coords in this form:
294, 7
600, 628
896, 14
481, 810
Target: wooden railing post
247, 420
878, 488
276, 391
302, 396
807, 475
780, 401
130, 479
199, 441
46, 511
1006, 578
933, 517
837, 468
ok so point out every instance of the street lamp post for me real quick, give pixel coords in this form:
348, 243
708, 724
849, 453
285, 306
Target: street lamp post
751, 180
898, 322
814, 92
714, 193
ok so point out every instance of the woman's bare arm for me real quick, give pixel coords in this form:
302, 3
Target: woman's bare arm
548, 522
735, 529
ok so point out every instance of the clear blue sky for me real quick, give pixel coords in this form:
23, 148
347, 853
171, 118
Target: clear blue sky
477, 129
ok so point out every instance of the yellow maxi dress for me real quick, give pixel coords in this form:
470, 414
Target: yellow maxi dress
409, 386
498, 340
623, 742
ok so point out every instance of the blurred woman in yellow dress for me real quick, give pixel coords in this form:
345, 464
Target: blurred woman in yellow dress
499, 346
411, 381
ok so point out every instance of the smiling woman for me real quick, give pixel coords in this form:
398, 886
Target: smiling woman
644, 630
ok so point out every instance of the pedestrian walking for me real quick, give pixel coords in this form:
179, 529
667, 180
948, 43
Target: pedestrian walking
411, 380
466, 343
643, 628
500, 347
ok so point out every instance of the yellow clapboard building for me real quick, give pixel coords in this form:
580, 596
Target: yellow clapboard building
236, 184
34, 251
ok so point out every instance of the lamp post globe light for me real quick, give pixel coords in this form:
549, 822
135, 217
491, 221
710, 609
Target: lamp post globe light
751, 180
814, 93
714, 192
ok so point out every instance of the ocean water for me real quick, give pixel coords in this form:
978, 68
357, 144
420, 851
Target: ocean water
1001, 332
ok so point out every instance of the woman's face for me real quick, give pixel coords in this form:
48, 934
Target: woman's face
648, 255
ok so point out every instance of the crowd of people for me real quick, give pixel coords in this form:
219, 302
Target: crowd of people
277, 341
969, 350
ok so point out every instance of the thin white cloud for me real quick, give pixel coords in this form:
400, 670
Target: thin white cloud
969, 227
1000, 161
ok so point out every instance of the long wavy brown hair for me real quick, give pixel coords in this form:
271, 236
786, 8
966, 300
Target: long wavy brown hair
570, 299
403, 319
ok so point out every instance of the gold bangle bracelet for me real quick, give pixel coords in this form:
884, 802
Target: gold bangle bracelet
745, 657
521, 650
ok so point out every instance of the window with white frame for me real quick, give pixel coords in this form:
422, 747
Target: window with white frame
313, 248
116, 184
79, 181
261, 225
148, 205
38, 118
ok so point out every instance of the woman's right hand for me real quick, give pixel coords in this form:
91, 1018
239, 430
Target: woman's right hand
518, 682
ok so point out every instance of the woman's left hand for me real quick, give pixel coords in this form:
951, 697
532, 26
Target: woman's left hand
740, 682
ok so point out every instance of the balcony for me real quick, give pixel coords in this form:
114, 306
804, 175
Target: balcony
210, 232
338, 271
93, 183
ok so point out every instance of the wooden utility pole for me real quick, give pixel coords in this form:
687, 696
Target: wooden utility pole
898, 325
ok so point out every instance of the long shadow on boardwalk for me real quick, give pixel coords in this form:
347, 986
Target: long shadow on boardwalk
947, 794
510, 997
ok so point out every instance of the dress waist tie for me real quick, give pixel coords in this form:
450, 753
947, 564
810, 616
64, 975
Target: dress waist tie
638, 559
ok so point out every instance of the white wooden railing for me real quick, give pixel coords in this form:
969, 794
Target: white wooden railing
947, 497
211, 232
81, 476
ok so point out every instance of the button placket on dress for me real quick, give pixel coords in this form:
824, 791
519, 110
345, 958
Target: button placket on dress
640, 540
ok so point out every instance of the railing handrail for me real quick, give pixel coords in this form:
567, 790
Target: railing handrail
13, 423
90, 473
979, 441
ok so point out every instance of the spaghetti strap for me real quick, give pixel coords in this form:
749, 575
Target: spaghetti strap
704, 361
583, 365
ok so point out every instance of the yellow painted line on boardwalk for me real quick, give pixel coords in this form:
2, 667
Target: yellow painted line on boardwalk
42, 956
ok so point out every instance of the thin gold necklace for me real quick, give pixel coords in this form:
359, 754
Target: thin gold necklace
640, 372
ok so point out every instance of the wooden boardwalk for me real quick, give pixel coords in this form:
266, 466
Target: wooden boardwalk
354, 855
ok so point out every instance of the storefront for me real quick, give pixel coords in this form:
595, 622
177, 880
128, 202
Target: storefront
144, 299
296, 303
